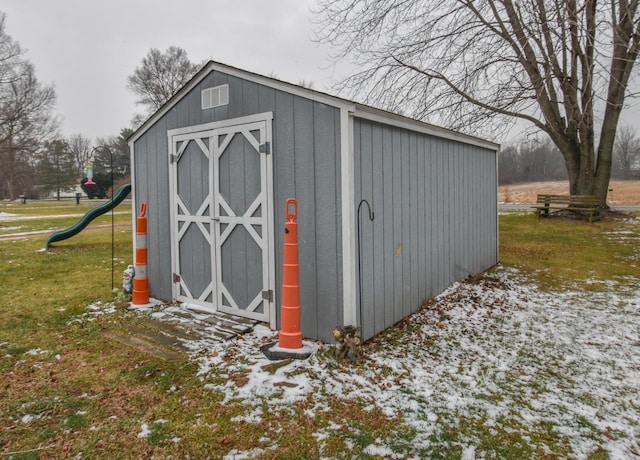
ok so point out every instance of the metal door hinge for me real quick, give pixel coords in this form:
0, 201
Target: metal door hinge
268, 295
173, 158
265, 148
176, 278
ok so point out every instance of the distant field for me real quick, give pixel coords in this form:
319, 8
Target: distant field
623, 193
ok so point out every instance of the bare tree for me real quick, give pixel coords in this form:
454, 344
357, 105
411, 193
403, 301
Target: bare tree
306, 84
159, 76
25, 112
540, 160
11, 54
561, 65
626, 152
80, 148
531, 159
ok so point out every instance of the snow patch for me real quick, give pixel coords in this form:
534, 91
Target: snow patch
36, 352
144, 431
236, 454
27, 418
501, 349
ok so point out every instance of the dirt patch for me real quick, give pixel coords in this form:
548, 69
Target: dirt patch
621, 193
149, 344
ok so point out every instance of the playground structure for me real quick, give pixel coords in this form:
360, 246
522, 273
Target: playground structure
92, 214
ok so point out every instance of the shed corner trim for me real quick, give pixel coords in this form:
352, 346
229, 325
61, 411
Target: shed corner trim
347, 171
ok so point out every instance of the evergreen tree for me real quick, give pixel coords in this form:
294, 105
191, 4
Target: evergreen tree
56, 168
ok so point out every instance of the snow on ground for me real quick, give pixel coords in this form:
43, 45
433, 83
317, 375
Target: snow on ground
552, 370
9, 228
8, 217
5, 215
499, 352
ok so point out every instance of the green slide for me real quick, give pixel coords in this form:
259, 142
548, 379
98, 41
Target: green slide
99, 210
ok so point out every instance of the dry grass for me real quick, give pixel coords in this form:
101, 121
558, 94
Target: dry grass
541, 248
623, 193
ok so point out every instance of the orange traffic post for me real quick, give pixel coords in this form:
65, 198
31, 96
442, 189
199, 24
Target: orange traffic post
290, 345
290, 335
140, 280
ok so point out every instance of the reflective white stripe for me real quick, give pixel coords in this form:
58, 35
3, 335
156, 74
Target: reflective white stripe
141, 271
141, 240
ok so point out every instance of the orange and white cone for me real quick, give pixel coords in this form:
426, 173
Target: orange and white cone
140, 280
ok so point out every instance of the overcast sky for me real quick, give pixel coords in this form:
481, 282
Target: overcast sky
87, 48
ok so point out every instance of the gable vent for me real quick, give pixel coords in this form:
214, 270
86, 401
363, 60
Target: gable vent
215, 97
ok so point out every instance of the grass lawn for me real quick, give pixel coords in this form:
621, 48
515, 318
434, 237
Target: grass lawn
560, 253
475, 373
60, 214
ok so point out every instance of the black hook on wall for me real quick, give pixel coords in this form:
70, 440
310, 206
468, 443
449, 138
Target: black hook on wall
371, 217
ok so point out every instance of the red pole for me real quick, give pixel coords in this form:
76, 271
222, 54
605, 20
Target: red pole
290, 335
140, 280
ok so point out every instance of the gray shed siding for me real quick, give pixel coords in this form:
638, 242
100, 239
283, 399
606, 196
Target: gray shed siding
306, 154
435, 217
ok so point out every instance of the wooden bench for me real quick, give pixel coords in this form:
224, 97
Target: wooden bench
581, 204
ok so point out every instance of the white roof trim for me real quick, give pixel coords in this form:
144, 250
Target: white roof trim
358, 110
388, 118
284, 86
245, 75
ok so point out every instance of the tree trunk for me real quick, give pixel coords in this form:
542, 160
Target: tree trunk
11, 189
584, 179
589, 174
8, 160
581, 181
601, 187
605, 155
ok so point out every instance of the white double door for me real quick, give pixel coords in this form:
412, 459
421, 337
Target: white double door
222, 202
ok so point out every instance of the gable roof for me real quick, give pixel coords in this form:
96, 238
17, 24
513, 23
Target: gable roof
358, 110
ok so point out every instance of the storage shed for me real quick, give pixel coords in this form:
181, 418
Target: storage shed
217, 162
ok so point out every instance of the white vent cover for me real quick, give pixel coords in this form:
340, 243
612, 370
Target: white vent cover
215, 97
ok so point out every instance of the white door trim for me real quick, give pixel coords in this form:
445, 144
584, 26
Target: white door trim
211, 130
176, 234
221, 124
